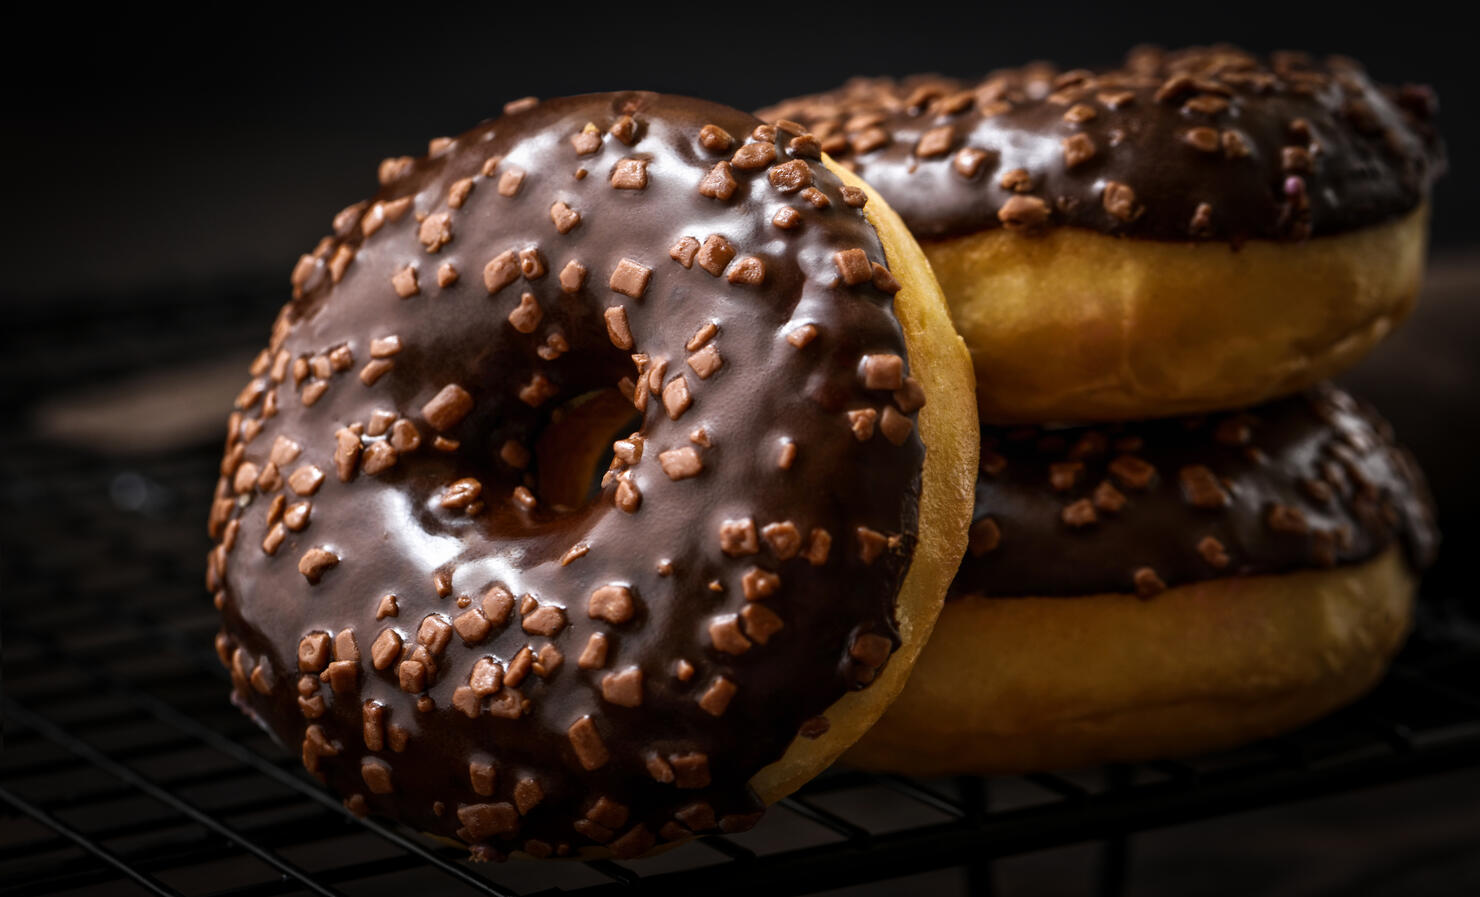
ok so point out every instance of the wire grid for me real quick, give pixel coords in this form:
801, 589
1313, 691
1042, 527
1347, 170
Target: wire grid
124, 763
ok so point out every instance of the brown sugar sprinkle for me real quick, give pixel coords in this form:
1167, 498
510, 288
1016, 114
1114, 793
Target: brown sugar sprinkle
1286, 519
611, 603
748, 271
716, 698
1132, 472
624, 129
1078, 149
1200, 488
701, 336
1024, 213
789, 177
719, 183
895, 426
527, 315
1079, 514
448, 407
563, 217
753, 156
760, 623
871, 544
623, 689
532, 264
629, 174
572, 277
882, 371
726, 637
684, 251
935, 142
861, 421
757, 584
969, 161
586, 741
617, 328
1120, 201
501, 270
587, 140
715, 139
314, 391
815, 198
1213, 552
853, 266
315, 562
630, 278
435, 231
510, 181
1064, 475
787, 218
801, 336
681, 464
706, 361
514, 454
1202, 139
715, 254
1147, 583
738, 537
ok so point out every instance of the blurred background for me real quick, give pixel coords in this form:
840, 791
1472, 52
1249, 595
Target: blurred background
162, 174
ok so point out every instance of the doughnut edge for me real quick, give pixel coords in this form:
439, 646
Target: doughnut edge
946, 494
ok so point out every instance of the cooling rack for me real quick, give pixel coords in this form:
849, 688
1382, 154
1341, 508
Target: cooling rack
125, 768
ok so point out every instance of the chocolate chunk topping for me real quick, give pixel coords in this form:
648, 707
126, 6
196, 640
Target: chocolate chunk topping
1175, 130
520, 662
1300, 483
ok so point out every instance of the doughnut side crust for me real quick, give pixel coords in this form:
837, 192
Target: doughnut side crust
941, 363
1074, 325
1032, 683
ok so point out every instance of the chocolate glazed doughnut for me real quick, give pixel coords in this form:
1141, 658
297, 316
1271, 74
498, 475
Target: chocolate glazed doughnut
1170, 587
1195, 230
424, 586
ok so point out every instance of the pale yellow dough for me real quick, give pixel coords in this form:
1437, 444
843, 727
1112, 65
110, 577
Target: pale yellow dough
1074, 325
1011, 685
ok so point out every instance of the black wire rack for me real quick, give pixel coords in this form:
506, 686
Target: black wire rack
125, 768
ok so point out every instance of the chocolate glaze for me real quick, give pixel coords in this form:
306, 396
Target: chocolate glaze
1288, 147
1306, 482
390, 533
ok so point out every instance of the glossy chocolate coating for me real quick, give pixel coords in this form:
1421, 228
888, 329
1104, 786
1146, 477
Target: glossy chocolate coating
1305, 482
770, 403
1212, 144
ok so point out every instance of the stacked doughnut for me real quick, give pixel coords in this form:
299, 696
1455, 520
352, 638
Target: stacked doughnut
1184, 538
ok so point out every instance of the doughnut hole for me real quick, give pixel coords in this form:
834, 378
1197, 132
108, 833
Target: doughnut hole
575, 447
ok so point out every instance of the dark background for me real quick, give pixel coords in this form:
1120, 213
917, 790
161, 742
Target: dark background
142, 151
161, 176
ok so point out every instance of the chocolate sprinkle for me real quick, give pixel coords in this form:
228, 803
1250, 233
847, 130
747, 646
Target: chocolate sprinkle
1327, 485
1154, 127
523, 661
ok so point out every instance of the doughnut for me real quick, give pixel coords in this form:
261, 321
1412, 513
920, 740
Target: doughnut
1146, 590
1196, 230
587, 496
